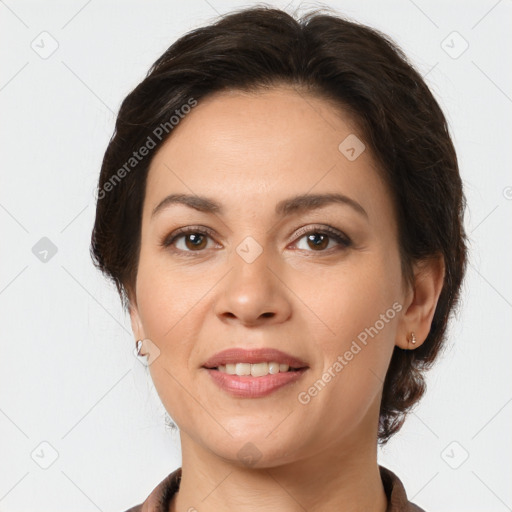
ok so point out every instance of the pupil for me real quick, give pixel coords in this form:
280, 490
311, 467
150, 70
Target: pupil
318, 243
195, 239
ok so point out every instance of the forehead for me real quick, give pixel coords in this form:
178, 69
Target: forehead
248, 149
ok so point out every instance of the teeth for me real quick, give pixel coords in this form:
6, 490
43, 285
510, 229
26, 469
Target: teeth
255, 370
229, 368
273, 368
243, 369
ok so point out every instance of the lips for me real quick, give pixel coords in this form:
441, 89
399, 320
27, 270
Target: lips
248, 387
253, 356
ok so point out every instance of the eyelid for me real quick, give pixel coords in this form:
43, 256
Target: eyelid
171, 237
193, 229
321, 228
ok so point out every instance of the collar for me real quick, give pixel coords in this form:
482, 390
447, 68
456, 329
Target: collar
162, 494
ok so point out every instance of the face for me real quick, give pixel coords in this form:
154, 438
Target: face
320, 281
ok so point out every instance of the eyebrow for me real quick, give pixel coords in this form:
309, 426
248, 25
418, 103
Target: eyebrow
296, 204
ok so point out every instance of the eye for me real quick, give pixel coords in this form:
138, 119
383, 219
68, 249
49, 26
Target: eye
193, 238
318, 238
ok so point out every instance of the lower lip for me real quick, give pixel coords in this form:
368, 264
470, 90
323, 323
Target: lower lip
246, 386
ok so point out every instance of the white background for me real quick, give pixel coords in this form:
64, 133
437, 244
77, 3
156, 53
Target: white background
68, 376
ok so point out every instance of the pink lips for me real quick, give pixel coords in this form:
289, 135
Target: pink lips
254, 387
246, 386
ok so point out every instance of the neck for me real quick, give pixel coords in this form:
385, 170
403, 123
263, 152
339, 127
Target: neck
338, 478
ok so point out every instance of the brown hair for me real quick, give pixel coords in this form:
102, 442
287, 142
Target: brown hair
356, 67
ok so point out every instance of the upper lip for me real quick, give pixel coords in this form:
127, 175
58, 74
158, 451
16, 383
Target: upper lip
259, 355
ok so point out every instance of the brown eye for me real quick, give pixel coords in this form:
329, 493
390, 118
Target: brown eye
188, 240
194, 241
318, 240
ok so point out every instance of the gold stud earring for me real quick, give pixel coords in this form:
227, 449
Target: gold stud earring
413, 338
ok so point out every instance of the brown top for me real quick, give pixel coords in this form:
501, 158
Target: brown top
161, 496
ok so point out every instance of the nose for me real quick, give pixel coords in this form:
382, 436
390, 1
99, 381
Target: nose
253, 293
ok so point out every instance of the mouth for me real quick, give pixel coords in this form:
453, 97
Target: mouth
254, 373
254, 362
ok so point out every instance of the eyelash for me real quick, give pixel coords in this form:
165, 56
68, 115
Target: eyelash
336, 235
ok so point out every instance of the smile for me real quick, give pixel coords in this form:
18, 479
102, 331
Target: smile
256, 369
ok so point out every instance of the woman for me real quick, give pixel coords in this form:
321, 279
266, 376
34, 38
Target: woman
281, 210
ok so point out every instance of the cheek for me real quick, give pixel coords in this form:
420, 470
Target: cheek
354, 336
168, 303
166, 295
356, 311
348, 300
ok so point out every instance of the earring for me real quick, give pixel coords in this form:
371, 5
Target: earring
139, 347
413, 338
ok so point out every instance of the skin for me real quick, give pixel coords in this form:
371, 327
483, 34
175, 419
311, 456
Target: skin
308, 301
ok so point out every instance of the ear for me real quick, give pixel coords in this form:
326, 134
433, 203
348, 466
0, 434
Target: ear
137, 328
421, 301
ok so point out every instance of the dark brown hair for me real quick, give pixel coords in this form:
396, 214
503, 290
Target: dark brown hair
352, 65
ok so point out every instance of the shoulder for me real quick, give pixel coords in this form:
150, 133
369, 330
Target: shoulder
395, 491
160, 497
